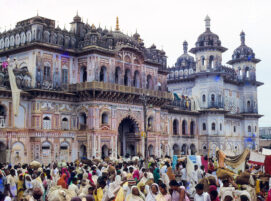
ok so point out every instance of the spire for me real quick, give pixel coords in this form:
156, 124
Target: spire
185, 45
242, 36
207, 22
117, 24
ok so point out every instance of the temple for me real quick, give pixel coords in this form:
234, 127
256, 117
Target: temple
80, 93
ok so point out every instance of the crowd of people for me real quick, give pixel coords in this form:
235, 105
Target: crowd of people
121, 180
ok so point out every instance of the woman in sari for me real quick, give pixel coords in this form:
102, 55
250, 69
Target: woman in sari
20, 186
134, 195
136, 175
142, 191
156, 175
62, 181
163, 195
153, 192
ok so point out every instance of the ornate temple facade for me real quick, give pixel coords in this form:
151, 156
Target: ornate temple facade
80, 93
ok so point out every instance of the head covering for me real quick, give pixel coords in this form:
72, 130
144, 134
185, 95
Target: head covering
62, 181
212, 188
132, 197
245, 193
227, 193
151, 196
136, 175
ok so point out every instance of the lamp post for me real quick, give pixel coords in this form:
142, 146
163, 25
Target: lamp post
144, 100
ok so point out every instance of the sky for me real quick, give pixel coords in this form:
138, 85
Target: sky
167, 23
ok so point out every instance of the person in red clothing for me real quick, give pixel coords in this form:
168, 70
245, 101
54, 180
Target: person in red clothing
211, 166
62, 181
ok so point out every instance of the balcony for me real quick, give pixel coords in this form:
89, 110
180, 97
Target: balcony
251, 110
182, 104
214, 104
104, 86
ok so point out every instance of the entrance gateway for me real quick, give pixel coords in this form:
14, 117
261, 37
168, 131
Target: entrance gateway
128, 138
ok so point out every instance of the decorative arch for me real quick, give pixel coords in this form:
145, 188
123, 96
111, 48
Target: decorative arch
184, 127
118, 75
103, 74
129, 116
83, 73
127, 59
192, 127
176, 149
136, 79
150, 123
175, 127
149, 82
127, 77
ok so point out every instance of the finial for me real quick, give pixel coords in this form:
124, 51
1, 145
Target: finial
117, 24
77, 13
93, 26
243, 37
185, 45
207, 22
37, 12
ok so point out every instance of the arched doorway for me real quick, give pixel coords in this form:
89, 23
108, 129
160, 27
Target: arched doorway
127, 139
83, 74
46, 152
104, 151
17, 153
3, 154
150, 150
2, 116
184, 149
64, 152
83, 151
193, 149
176, 149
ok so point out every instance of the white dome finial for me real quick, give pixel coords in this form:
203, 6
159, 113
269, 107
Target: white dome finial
207, 22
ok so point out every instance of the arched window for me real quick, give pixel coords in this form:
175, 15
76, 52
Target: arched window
136, 79
249, 129
204, 126
46, 123
192, 128
117, 75
2, 116
203, 98
202, 60
234, 129
65, 124
175, 127
64, 75
247, 72
82, 121
103, 75
127, 77
213, 98
211, 61
248, 105
150, 123
213, 126
83, 74
184, 127
47, 73
149, 82
220, 126
104, 118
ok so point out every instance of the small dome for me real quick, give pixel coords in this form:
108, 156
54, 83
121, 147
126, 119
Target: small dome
208, 39
136, 36
243, 52
185, 59
77, 18
99, 29
153, 46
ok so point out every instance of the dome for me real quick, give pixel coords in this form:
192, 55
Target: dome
208, 39
77, 18
243, 52
185, 59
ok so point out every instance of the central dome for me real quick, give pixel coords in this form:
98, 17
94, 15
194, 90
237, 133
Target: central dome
208, 39
185, 59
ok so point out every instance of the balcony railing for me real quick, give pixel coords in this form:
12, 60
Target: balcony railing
103, 86
82, 127
182, 104
251, 110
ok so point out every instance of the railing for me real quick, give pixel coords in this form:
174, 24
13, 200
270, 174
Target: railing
251, 110
265, 137
103, 86
182, 104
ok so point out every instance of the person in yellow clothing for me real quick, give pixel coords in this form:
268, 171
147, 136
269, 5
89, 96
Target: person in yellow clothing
98, 193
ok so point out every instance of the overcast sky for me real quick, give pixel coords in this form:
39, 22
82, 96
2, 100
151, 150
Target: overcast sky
167, 24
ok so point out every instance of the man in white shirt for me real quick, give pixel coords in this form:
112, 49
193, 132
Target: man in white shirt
184, 175
200, 195
73, 186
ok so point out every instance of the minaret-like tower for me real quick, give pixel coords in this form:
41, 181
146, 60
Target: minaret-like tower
244, 61
208, 50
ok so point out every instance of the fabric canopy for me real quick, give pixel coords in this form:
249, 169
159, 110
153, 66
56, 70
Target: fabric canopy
266, 152
256, 158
